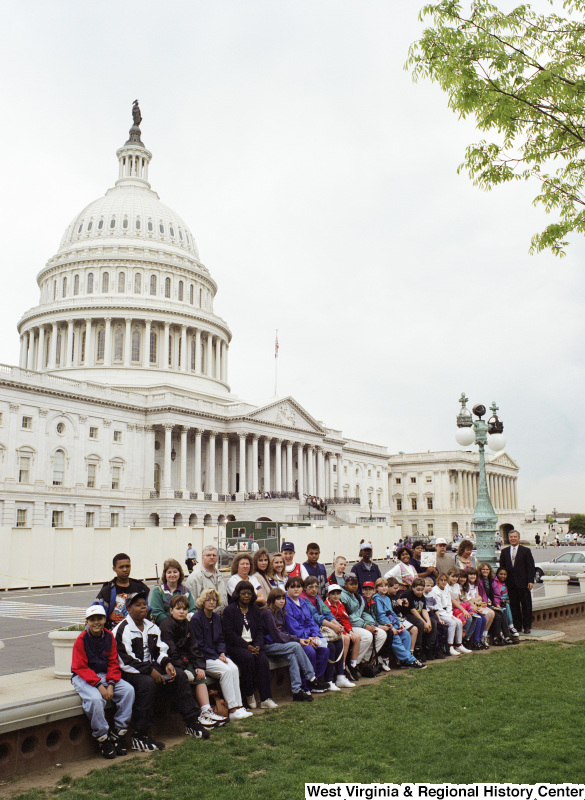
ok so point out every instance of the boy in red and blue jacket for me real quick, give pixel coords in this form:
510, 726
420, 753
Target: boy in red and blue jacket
97, 680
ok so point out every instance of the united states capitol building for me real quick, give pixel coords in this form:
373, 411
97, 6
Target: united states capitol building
120, 412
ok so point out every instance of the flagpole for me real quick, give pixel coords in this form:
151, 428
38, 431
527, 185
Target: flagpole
276, 365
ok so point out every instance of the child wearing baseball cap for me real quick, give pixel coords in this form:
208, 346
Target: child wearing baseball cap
97, 680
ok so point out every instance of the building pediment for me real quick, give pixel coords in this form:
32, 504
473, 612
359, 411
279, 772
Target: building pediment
287, 413
504, 460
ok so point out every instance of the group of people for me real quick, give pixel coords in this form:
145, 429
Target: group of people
330, 629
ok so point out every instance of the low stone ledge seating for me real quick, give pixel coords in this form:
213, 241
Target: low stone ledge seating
46, 725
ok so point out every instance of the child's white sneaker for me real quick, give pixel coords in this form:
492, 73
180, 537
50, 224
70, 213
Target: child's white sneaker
251, 701
333, 687
344, 683
462, 650
240, 713
268, 703
385, 664
453, 651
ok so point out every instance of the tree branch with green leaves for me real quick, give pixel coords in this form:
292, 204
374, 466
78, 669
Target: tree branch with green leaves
521, 76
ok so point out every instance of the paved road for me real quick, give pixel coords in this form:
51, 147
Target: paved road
27, 616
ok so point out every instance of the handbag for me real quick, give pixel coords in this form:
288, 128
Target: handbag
328, 634
371, 667
218, 704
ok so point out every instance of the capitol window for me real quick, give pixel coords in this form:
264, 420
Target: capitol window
76, 284
27, 423
413, 503
136, 345
180, 234
91, 475
113, 222
105, 282
93, 433
398, 504
114, 519
58, 467
161, 228
118, 345
90, 283
122, 282
193, 354
116, 472
117, 436
153, 284
57, 519
21, 514
429, 503
137, 224
152, 347
413, 479
180, 290
61, 428
80, 227
138, 283
58, 352
64, 287
150, 225
24, 469
172, 231
125, 222
101, 344
89, 225
167, 287
100, 224
54, 290
89, 519
191, 294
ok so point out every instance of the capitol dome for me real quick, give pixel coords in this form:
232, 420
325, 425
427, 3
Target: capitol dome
128, 214
127, 293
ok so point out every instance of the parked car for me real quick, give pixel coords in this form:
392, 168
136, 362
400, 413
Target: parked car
571, 564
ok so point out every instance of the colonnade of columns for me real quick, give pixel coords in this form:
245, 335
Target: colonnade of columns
501, 488
202, 461
124, 342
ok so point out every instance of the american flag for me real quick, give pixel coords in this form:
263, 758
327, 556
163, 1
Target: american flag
276, 346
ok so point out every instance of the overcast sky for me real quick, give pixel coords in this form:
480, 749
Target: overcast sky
320, 184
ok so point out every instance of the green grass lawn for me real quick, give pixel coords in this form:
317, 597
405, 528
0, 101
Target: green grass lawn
514, 715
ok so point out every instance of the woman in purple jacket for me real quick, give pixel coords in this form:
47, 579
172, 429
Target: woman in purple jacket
279, 642
300, 623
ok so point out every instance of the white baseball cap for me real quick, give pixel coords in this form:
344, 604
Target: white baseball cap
94, 611
440, 541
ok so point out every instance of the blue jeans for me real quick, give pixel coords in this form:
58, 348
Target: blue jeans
401, 647
480, 628
298, 662
94, 704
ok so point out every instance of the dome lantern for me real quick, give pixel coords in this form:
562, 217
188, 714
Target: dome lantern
133, 157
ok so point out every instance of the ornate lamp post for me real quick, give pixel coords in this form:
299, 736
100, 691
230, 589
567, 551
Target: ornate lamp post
533, 509
475, 431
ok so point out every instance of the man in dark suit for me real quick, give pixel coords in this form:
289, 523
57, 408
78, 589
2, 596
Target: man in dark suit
519, 563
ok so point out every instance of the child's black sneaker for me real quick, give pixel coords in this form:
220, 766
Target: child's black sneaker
418, 664
301, 697
146, 744
317, 686
107, 746
118, 737
196, 730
